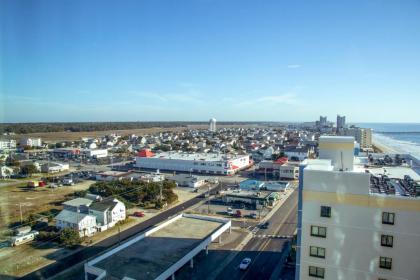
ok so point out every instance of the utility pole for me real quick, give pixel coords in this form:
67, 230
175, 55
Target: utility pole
208, 200
20, 210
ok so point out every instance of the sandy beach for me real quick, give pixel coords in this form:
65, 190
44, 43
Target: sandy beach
383, 148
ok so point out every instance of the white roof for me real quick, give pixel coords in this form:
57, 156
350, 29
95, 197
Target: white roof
337, 139
319, 164
197, 156
71, 217
78, 201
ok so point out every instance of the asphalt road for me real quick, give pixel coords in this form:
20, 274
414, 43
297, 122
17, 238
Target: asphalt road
265, 249
105, 244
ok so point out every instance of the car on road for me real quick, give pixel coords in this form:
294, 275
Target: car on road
253, 215
245, 264
138, 214
265, 225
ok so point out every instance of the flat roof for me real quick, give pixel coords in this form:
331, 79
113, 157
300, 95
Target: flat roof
337, 139
249, 194
196, 156
154, 254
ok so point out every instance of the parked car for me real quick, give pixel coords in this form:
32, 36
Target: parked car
245, 264
138, 214
230, 211
253, 215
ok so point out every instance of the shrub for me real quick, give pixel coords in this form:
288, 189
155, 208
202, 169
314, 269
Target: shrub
70, 237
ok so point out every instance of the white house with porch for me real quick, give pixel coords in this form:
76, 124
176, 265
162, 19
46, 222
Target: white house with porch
108, 212
85, 224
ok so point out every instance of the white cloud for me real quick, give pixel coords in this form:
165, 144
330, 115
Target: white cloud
270, 100
294, 66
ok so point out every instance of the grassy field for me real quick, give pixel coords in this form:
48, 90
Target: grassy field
32, 200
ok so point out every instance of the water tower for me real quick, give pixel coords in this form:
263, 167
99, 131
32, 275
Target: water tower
212, 125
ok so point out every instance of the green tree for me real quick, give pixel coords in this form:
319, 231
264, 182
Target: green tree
29, 169
70, 237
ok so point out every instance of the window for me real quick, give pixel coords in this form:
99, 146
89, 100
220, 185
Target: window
317, 272
385, 262
387, 240
325, 211
388, 218
317, 252
318, 231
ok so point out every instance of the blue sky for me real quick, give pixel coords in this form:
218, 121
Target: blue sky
190, 60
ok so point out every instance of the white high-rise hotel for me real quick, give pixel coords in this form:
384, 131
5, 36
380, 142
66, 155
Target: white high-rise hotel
212, 125
353, 222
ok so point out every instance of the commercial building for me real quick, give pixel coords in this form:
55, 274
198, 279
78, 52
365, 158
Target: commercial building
30, 142
6, 144
159, 252
54, 167
95, 153
355, 222
221, 164
186, 180
255, 199
112, 176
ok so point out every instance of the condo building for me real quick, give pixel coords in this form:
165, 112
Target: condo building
356, 221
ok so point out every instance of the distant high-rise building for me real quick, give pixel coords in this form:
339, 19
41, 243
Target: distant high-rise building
354, 222
322, 121
212, 125
341, 123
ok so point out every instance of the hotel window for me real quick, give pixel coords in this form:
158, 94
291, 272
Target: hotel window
326, 211
318, 231
387, 240
317, 272
388, 218
317, 252
385, 262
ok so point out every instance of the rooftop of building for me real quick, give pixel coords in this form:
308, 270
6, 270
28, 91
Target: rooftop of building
113, 173
336, 139
78, 201
398, 180
154, 254
196, 156
256, 194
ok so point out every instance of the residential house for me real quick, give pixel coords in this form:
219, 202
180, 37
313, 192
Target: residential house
107, 212
85, 224
6, 172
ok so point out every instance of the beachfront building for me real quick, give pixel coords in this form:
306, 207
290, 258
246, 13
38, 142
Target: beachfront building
211, 163
363, 136
354, 222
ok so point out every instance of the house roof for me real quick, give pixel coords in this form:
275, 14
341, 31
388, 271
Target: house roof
145, 153
103, 205
78, 201
71, 217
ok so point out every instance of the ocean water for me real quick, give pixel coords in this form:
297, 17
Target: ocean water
402, 137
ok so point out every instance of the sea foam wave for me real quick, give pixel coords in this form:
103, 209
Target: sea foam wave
400, 146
